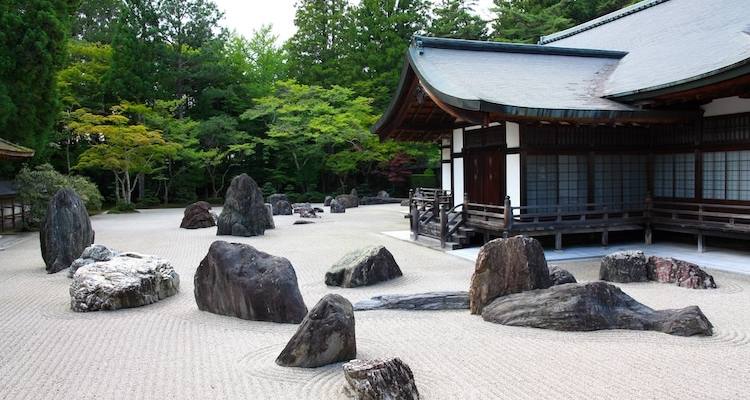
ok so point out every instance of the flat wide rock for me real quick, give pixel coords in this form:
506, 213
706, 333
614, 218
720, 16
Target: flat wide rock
380, 379
325, 336
66, 230
419, 301
624, 267
506, 266
126, 280
363, 267
198, 215
240, 281
589, 307
244, 212
348, 200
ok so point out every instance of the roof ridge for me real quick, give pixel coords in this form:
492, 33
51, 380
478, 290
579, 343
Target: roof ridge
605, 19
420, 42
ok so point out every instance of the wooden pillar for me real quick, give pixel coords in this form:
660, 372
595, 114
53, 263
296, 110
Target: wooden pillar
443, 225
414, 222
558, 240
648, 235
701, 243
2, 216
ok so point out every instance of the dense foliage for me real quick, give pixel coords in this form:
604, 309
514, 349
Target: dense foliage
157, 103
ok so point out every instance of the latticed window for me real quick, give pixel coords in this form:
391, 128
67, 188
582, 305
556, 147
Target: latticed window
620, 179
674, 175
553, 179
726, 175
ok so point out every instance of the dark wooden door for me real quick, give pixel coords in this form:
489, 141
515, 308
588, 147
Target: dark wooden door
484, 176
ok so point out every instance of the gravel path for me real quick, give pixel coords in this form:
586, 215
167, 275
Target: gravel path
170, 350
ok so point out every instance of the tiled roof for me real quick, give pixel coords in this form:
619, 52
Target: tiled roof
10, 150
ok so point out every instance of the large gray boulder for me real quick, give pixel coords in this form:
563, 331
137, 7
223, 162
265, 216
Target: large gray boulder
325, 336
363, 267
506, 266
90, 255
679, 272
237, 280
624, 267
420, 301
348, 200
380, 379
280, 204
592, 306
336, 207
198, 215
126, 280
66, 230
244, 212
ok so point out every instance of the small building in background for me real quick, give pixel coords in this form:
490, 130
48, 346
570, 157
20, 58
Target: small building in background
12, 212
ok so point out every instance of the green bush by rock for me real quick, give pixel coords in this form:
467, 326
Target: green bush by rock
37, 186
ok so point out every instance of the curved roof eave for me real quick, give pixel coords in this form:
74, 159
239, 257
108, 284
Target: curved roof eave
390, 111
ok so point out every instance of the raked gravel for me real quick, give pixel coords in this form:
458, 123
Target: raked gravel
170, 350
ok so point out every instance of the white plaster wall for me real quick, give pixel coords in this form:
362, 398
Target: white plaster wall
726, 105
513, 178
512, 135
458, 180
446, 154
446, 176
458, 140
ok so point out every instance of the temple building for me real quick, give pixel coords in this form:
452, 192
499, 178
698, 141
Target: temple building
637, 120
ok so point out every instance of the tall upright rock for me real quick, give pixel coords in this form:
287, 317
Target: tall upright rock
244, 212
66, 230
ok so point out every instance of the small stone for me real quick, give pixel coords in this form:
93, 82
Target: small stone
405, 203
240, 281
624, 267
325, 336
380, 379
383, 195
66, 230
302, 222
559, 276
337, 208
198, 215
363, 267
506, 266
126, 280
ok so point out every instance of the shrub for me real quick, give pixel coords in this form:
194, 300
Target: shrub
314, 197
215, 200
268, 189
149, 201
123, 208
37, 186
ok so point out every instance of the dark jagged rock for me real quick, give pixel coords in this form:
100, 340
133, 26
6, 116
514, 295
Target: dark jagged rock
363, 267
337, 208
679, 272
198, 215
326, 336
421, 301
327, 201
307, 213
559, 276
506, 266
318, 210
244, 212
302, 222
380, 379
592, 306
92, 254
124, 281
624, 267
276, 197
66, 230
348, 200
237, 280
271, 223
282, 207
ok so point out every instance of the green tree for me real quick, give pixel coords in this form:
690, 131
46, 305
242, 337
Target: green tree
457, 19
95, 21
318, 48
80, 82
222, 147
526, 21
32, 49
130, 151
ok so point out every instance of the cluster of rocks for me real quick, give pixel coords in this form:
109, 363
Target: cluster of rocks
381, 198
244, 212
198, 215
107, 280
66, 230
363, 267
512, 285
350, 200
280, 204
633, 266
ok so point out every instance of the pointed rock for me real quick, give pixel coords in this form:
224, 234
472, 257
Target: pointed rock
66, 230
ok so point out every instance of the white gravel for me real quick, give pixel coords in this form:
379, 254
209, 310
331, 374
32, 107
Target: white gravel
170, 350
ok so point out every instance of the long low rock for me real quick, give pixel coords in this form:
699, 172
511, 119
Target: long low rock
419, 301
126, 280
589, 307
380, 379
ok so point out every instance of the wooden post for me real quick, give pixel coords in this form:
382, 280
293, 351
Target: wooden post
558, 240
2, 216
605, 232
13, 215
648, 234
443, 225
701, 243
414, 222
507, 216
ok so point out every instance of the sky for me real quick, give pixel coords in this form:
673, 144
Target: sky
245, 16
